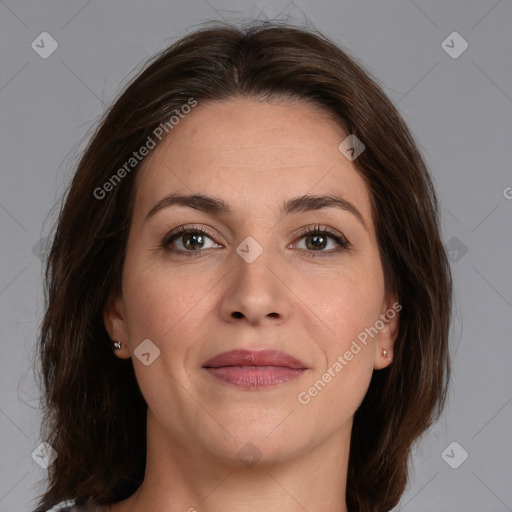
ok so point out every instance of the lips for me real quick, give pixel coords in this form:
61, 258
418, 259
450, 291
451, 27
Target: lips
254, 358
255, 369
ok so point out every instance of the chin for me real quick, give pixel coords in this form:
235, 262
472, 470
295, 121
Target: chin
262, 443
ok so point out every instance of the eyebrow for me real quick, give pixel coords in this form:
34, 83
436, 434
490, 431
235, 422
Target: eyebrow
217, 206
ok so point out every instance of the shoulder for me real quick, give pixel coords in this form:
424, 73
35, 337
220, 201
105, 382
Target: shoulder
72, 506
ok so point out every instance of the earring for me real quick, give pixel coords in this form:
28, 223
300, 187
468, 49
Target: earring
385, 353
116, 345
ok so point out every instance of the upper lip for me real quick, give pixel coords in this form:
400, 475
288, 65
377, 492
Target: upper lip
254, 358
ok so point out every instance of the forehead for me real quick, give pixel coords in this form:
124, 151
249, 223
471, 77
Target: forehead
254, 155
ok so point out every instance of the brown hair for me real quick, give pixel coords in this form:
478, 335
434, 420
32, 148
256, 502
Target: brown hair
94, 413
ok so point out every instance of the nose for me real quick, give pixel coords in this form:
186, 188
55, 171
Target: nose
256, 292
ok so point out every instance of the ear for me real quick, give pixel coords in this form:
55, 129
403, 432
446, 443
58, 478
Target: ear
385, 340
115, 323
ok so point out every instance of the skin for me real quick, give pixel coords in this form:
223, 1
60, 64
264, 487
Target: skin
254, 155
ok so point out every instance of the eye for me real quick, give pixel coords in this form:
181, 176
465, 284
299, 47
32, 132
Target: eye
191, 239
317, 238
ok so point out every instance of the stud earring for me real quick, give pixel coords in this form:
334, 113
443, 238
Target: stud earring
116, 345
385, 353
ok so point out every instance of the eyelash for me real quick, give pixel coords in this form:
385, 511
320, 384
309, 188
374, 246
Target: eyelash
342, 242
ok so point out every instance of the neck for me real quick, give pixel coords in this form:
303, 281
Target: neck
181, 479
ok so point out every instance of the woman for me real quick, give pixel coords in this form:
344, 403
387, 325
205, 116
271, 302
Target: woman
254, 233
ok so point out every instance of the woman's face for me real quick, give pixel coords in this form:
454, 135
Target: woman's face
253, 282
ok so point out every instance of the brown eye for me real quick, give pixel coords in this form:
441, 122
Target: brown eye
192, 241
317, 239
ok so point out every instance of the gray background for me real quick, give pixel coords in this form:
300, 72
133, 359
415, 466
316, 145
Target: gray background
459, 110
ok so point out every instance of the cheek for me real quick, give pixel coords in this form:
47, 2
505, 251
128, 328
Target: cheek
341, 379
347, 305
166, 305
346, 302
158, 297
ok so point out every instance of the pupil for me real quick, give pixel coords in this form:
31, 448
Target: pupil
317, 240
192, 236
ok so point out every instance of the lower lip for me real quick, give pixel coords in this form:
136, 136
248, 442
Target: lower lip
256, 377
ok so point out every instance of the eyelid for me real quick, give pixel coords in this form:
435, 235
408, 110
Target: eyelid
318, 228
184, 229
343, 244
339, 238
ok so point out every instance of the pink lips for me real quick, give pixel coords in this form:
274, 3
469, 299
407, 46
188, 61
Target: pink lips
255, 369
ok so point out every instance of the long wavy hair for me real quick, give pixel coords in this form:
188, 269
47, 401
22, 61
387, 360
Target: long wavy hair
94, 415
